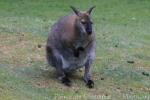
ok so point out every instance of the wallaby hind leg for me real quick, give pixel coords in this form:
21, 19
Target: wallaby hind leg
55, 60
63, 77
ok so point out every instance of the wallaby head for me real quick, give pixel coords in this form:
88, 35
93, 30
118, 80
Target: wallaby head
83, 20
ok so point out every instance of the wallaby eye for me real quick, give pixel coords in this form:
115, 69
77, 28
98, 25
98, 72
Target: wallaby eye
83, 22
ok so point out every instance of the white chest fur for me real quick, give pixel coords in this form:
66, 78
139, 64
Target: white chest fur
72, 62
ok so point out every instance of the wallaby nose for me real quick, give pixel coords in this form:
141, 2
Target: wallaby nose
89, 32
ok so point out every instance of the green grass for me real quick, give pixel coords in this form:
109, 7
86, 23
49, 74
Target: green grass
122, 33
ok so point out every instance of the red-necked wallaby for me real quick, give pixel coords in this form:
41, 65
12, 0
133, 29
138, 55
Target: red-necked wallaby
71, 45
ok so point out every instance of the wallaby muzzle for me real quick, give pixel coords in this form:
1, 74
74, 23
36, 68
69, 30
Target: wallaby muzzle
89, 29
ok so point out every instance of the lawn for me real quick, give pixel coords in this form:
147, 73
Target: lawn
121, 70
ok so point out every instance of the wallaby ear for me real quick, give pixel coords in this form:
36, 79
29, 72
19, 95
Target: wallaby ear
90, 10
76, 11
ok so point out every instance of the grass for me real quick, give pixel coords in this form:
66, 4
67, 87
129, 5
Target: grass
122, 32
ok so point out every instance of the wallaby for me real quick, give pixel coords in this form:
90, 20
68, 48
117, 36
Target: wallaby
71, 45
